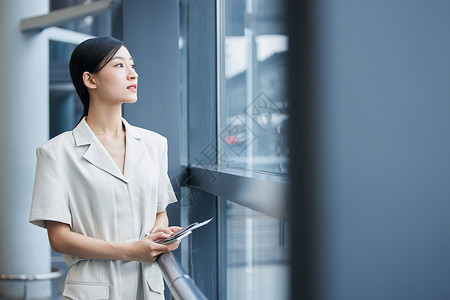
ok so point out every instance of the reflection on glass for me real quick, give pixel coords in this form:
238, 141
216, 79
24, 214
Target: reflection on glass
252, 86
65, 108
92, 25
256, 255
182, 46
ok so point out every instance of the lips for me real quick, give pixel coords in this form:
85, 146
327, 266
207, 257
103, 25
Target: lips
132, 87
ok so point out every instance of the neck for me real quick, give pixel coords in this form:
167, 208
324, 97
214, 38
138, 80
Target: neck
105, 121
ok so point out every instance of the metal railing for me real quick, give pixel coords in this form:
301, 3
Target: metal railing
181, 286
54, 274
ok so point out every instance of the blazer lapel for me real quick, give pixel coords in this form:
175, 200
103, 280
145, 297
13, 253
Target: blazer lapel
96, 154
135, 149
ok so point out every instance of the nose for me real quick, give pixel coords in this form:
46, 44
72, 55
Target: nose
132, 74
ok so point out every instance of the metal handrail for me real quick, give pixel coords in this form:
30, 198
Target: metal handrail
181, 286
54, 274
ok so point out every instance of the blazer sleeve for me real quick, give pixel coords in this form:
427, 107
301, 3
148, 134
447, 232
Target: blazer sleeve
166, 194
50, 200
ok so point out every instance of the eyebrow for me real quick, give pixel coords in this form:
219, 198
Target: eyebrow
120, 57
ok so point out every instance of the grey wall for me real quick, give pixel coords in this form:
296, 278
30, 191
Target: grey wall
383, 90
150, 31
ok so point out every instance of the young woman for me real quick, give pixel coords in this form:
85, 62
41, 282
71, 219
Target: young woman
101, 190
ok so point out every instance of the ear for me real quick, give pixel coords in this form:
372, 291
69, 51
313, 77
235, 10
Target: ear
89, 80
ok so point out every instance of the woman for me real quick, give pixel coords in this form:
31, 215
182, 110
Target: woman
102, 190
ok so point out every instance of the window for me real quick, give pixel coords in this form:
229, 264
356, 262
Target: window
65, 107
252, 86
233, 92
256, 254
95, 25
251, 137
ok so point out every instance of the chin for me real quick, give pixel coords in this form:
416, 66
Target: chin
130, 101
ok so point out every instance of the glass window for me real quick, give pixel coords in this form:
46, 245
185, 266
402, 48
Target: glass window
65, 108
252, 47
256, 254
97, 25
249, 259
182, 45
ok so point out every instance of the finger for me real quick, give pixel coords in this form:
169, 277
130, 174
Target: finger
167, 230
163, 229
150, 261
174, 245
158, 247
175, 228
158, 235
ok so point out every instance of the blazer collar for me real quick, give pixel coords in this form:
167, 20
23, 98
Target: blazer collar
97, 155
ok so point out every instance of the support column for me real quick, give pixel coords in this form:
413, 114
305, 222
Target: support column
24, 109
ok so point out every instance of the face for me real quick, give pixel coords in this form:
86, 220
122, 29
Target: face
116, 82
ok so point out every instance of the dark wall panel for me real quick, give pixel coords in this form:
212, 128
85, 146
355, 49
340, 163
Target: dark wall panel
384, 118
150, 31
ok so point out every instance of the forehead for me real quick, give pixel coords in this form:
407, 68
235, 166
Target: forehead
123, 53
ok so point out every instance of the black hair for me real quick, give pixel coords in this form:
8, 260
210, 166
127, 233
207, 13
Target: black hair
91, 56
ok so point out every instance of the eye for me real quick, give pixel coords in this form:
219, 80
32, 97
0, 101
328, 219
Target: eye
120, 65
133, 66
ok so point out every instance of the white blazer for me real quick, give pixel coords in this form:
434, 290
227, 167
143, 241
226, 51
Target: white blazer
78, 183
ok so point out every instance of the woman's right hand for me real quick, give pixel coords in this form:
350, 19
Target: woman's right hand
63, 240
147, 250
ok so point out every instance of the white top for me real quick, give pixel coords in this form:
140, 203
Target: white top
78, 183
